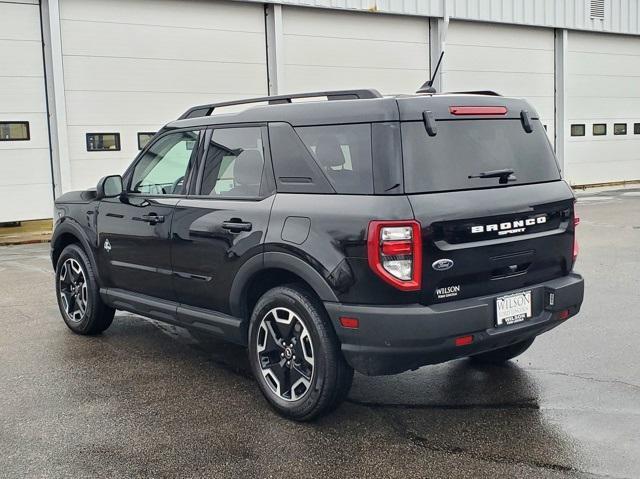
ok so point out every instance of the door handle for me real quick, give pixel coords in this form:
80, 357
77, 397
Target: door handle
236, 225
153, 218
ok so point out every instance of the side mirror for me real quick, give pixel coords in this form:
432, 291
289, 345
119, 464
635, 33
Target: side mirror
109, 187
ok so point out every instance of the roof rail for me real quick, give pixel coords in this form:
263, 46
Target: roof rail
478, 92
206, 110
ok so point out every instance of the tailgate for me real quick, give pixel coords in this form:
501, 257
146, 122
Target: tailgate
487, 241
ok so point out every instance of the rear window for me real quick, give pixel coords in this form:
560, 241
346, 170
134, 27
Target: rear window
462, 148
343, 153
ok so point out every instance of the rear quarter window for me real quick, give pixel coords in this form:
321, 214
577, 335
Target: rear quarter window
462, 148
343, 153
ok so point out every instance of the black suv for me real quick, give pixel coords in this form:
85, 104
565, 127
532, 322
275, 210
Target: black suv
346, 231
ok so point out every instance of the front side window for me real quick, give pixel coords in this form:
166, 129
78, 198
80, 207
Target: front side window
162, 169
233, 163
343, 152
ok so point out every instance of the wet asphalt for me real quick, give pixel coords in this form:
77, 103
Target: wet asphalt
150, 400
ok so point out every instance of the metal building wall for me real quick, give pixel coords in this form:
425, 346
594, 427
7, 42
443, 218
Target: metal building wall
25, 167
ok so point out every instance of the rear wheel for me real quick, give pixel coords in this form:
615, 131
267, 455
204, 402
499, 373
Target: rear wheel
502, 355
78, 294
295, 355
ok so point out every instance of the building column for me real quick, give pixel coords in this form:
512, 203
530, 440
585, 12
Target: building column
438, 28
275, 41
560, 79
57, 113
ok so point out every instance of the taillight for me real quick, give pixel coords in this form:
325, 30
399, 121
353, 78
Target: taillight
395, 253
576, 248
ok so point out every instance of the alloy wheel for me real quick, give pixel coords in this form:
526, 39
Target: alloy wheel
285, 352
73, 290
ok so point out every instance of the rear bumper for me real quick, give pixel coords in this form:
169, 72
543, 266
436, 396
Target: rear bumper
392, 339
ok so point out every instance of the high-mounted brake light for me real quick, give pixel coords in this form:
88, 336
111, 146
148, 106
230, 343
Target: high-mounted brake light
478, 110
576, 248
394, 250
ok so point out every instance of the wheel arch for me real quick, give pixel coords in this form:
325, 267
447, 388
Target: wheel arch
67, 233
269, 270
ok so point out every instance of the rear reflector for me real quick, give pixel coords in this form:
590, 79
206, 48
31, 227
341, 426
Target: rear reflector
478, 110
564, 314
349, 323
464, 340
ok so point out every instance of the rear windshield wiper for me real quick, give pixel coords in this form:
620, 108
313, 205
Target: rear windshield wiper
505, 175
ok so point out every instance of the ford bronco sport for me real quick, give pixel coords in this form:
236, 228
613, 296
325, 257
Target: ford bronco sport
352, 231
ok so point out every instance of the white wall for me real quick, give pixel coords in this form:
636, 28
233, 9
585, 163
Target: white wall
25, 167
510, 60
325, 49
603, 86
133, 65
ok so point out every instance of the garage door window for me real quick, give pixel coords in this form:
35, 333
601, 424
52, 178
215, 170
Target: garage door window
577, 130
636, 128
14, 131
103, 141
619, 128
599, 129
144, 138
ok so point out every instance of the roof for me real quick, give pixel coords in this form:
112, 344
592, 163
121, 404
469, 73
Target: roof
353, 110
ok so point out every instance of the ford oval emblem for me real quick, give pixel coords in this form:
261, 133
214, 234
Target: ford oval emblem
442, 264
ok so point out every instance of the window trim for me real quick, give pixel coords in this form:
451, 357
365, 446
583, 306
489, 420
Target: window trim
267, 182
593, 129
21, 122
152, 133
584, 129
115, 134
626, 129
128, 174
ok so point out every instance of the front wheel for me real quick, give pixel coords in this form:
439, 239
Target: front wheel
295, 355
502, 355
78, 295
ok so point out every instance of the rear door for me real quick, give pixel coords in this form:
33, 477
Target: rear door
223, 225
494, 212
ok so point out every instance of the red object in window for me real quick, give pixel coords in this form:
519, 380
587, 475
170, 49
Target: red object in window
564, 314
382, 253
464, 340
478, 110
349, 323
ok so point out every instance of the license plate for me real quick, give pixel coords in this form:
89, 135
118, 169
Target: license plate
513, 308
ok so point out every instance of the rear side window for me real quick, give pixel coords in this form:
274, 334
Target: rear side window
343, 153
463, 148
234, 163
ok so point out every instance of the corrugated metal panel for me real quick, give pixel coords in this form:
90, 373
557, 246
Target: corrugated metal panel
619, 16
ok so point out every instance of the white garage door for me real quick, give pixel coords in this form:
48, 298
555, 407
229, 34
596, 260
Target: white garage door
603, 89
131, 66
26, 190
510, 60
325, 50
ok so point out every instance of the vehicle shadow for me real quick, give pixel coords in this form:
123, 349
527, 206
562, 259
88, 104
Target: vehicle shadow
488, 412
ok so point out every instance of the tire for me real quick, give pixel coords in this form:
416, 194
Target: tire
78, 293
308, 376
501, 355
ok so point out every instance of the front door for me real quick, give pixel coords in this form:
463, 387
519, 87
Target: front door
224, 225
134, 229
